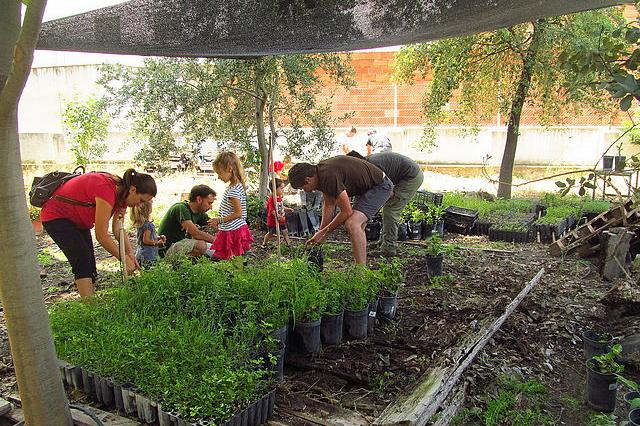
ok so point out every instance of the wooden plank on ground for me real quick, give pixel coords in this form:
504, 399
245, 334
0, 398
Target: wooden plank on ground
454, 405
82, 419
321, 413
423, 402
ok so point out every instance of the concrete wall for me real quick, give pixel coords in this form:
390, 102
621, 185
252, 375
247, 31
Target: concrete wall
395, 110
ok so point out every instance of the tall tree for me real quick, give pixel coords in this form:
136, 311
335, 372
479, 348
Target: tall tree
505, 70
238, 103
34, 358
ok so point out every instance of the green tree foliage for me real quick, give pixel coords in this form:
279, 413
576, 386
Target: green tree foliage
614, 60
87, 126
230, 101
503, 70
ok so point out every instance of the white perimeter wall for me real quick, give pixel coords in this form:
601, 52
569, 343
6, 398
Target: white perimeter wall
48, 88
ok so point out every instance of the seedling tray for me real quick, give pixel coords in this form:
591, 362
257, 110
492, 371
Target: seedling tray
128, 401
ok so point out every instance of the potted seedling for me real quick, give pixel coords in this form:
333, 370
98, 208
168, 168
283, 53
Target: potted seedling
632, 398
356, 300
434, 221
416, 219
435, 254
392, 278
619, 160
335, 283
36, 222
602, 380
308, 304
596, 343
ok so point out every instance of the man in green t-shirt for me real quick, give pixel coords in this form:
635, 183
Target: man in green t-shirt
339, 178
182, 220
407, 178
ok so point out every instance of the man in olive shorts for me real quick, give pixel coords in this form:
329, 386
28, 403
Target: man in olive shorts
407, 178
339, 178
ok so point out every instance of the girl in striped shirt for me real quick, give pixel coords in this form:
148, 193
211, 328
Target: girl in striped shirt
233, 237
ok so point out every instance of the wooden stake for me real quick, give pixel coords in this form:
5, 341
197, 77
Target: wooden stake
123, 251
274, 196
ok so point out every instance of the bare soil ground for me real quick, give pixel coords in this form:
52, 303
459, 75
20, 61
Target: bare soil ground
541, 340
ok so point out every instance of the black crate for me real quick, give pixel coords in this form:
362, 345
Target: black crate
459, 220
423, 198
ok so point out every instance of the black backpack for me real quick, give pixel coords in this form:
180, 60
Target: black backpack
42, 188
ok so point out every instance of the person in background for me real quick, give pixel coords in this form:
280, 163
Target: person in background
407, 177
181, 223
89, 200
377, 143
147, 237
233, 237
276, 214
345, 139
339, 178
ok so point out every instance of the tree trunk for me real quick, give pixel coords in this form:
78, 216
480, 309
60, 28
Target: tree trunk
513, 128
34, 358
263, 147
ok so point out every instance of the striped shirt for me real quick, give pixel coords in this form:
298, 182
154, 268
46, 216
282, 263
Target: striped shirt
226, 208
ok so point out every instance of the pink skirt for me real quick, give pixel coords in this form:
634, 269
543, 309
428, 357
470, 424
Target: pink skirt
232, 243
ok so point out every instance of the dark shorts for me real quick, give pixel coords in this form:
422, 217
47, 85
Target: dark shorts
76, 244
371, 201
272, 229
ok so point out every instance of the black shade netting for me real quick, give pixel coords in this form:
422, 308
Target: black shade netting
247, 28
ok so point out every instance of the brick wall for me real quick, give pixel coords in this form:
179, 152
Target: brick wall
376, 102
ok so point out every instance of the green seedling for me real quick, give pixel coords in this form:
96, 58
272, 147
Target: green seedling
606, 363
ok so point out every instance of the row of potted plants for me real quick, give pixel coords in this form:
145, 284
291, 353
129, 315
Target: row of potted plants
178, 331
417, 222
604, 375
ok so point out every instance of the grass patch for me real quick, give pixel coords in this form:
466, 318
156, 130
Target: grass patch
515, 403
45, 259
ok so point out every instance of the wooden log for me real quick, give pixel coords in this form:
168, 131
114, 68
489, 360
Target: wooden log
452, 408
423, 402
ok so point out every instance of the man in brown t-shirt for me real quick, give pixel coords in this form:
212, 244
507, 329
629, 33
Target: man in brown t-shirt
339, 178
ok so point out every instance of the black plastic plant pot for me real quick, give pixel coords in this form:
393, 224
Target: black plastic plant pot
371, 320
595, 343
415, 230
280, 334
316, 257
372, 230
403, 231
387, 307
427, 230
607, 162
619, 162
306, 337
601, 389
355, 323
630, 396
634, 417
434, 265
331, 329
254, 414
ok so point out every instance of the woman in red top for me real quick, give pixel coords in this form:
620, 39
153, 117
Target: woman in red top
88, 200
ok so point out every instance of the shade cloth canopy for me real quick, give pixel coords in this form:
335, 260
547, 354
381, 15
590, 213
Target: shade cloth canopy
249, 28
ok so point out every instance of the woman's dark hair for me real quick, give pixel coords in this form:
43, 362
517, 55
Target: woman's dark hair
202, 191
144, 184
